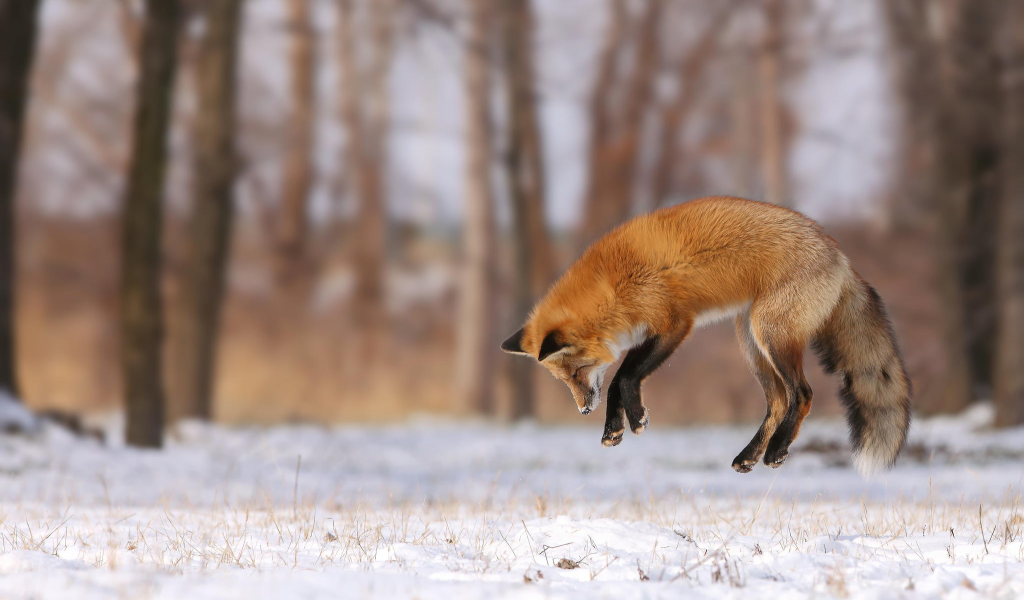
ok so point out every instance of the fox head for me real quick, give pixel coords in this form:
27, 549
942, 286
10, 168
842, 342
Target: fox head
580, 361
578, 330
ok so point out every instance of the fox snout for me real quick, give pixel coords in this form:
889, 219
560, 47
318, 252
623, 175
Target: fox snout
586, 389
586, 399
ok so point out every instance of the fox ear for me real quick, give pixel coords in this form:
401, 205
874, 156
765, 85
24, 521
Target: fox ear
514, 344
550, 345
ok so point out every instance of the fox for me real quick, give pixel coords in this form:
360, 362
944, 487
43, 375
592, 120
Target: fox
638, 292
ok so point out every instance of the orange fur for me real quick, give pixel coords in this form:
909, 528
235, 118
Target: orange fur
678, 262
647, 283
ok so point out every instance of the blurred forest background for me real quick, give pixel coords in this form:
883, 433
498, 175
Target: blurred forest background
269, 211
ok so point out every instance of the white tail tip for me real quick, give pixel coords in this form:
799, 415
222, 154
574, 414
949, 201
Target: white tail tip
868, 463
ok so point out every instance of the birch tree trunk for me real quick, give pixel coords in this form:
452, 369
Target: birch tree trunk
194, 341
142, 311
18, 24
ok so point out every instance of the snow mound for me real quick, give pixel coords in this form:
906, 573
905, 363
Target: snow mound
14, 417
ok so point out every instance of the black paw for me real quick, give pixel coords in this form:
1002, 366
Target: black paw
778, 446
612, 438
743, 464
774, 457
638, 420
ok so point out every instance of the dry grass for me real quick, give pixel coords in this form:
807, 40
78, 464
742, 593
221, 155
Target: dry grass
492, 537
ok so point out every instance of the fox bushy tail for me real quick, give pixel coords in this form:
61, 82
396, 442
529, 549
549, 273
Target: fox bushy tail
858, 344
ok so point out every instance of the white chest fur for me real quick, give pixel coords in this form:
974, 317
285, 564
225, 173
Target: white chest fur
720, 313
627, 339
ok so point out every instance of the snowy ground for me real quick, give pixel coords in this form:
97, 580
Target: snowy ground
451, 511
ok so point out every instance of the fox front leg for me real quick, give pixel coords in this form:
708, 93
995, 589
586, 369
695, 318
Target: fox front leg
641, 361
614, 420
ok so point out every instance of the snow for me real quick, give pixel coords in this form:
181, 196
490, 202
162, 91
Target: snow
14, 417
440, 509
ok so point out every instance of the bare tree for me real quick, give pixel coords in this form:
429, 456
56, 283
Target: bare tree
475, 352
298, 163
18, 24
948, 77
915, 49
967, 177
617, 127
774, 141
142, 313
675, 113
365, 102
524, 166
1008, 380
215, 166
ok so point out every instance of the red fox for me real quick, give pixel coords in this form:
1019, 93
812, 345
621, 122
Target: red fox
642, 288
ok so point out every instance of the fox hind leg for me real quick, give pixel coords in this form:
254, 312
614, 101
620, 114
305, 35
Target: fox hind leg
778, 446
774, 394
782, 323
786, 356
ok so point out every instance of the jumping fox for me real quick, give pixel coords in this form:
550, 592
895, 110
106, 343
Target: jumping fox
642, 288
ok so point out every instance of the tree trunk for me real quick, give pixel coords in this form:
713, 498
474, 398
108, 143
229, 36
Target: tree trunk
1009, 374
18, 24
524, 165
967, 160
215, 164
140, 294
476, 346
981, 285
368, 123
297, 178
774, 146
